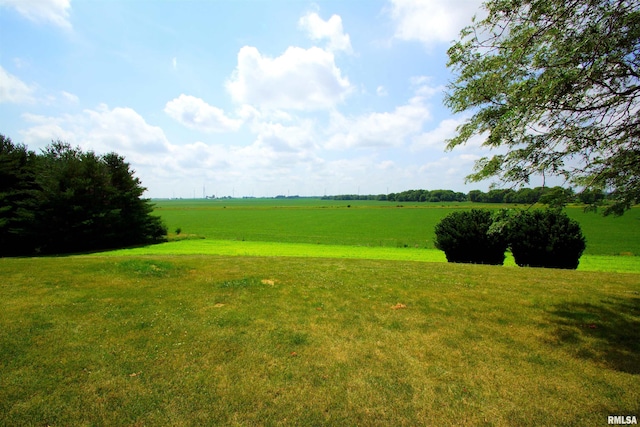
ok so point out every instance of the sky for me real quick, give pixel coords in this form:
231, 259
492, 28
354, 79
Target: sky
242, 98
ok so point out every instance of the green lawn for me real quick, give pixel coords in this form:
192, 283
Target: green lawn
232, 340
311, 312
604, 263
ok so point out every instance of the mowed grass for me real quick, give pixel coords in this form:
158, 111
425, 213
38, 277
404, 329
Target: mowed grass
604, 263
233, 340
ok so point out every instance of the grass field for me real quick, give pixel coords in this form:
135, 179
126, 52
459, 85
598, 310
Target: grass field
310, 312
363, 223
359, 229
210, 340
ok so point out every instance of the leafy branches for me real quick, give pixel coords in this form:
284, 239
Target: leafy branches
558, 85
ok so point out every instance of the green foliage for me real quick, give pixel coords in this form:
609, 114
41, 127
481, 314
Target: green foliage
67, 200
556, 86
556, 196
465, 237
546, 238
407, 196
539, 238
17, 197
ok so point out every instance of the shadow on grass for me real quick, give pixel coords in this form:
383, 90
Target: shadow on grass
608, 333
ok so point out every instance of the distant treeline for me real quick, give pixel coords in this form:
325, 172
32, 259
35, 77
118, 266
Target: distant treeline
547, 195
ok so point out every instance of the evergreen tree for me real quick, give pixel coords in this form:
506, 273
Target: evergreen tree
66, 200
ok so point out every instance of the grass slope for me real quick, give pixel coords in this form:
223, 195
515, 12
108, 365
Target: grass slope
620, 264
217, 340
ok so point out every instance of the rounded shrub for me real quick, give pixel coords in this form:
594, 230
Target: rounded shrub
546, 238
466, 236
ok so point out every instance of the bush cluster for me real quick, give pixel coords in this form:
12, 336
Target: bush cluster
66, 200
546, 239
465, 237
539, 238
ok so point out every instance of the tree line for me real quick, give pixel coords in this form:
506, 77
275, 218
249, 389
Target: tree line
554, 196
66, 200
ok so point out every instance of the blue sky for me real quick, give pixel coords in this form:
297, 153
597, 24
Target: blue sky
243, 98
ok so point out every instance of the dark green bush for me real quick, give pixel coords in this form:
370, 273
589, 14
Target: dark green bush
546, 238
466, 237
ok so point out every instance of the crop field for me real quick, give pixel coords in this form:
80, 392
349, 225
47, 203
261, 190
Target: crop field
363, 223
358, 229
313, 312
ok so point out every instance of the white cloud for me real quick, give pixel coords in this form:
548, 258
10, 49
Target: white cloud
14, 90
379, 129
55, 12
430, 21
119, 129
281, 138
196, 114
69, 97
332, 30
195, 157
382, 129
436, 138
381, 91
446, 129
299, 79
44, 130
277, 151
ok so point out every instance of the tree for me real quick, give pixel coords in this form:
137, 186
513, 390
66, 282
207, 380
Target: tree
17, 203
545, 238
67, 200
132, 213
468, 237
556, 197
555, 84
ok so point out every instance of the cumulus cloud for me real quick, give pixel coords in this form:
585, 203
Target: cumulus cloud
278, 150
44, 129
331, 30
432, 22
379, 129
382, 129
436, 138
299, 79
195, 113
282, 138
13, 90
446, 129
55, 12
120, 129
